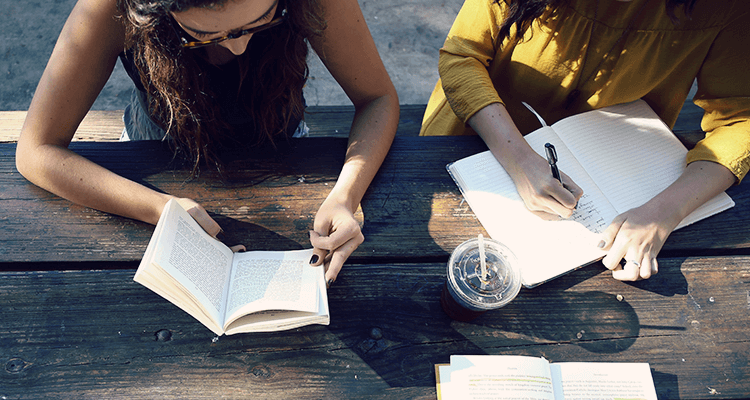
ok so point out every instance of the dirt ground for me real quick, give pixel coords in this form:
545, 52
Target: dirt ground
408, 34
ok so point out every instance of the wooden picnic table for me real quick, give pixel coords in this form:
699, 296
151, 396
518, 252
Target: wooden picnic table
73, 324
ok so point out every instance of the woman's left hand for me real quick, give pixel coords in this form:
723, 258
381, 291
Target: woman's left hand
335, 236
637, 236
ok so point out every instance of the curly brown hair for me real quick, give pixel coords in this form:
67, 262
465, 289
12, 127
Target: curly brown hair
522, 13
179, 96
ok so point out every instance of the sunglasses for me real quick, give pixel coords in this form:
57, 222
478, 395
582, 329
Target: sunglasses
234, 35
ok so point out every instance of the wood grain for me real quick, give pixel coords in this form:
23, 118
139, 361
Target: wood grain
412, 211
107, 126
98, 334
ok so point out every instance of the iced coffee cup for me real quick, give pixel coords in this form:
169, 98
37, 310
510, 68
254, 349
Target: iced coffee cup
471, 288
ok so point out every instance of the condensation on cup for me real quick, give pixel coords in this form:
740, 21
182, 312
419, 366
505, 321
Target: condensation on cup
468, 293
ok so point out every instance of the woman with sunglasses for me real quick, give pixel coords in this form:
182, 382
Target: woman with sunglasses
210, 76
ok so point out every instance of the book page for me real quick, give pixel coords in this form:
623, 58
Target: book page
273, 280
488, 377
200, 263
592, 380
566, 244
275, 320
634, 158
626, 149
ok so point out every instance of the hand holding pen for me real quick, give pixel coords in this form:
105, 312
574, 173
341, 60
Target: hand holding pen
549, 149
555, 193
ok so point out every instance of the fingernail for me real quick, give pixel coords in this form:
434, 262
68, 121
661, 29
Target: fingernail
314, 259
329, 283
601, 244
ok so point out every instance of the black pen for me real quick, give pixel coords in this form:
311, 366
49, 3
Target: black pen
552, 160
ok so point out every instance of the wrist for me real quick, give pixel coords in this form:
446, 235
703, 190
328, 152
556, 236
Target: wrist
670, 211
157, 206
343, 198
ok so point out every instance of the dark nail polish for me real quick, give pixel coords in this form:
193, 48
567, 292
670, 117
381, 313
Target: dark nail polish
314, 259
329, 283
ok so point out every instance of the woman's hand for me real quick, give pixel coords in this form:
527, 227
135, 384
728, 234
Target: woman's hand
200, 215
530, 171
335, 236
637, 236
540, 191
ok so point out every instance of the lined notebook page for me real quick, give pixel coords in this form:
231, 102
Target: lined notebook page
545, 248
630, 154
627, 150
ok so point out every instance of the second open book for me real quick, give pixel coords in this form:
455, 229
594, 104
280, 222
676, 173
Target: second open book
621, 156
481, 377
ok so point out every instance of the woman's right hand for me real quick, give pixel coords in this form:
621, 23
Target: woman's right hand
530, 172
540, 191
200, 215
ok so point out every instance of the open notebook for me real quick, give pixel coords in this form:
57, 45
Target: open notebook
621, 156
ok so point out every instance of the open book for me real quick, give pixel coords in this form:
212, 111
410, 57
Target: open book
230, 292
621, 156
522, 377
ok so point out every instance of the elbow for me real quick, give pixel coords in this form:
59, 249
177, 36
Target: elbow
28, 160
24, 164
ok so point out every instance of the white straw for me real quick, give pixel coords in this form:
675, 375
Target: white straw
482, 261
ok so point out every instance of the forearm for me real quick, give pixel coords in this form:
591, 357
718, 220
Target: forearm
495, 126
83, 182
373, 129
700, 182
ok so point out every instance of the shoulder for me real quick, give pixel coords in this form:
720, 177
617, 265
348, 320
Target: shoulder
96, 22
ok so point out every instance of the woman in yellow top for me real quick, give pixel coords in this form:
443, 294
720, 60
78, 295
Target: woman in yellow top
579, 55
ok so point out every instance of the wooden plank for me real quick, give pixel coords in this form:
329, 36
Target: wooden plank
103, 126
98, 334
107, 126
269, 202
335, 121
327, 121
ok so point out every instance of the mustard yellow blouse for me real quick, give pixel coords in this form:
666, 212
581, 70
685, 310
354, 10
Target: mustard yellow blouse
647, 57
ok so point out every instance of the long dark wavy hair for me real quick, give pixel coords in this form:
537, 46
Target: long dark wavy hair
274, 64
522, 13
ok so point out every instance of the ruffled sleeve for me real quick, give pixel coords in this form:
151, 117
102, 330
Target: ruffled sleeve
466, 55
724, 94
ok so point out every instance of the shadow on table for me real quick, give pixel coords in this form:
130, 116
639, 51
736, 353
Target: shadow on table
254, 237
670, 281
667, 385
402, 337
